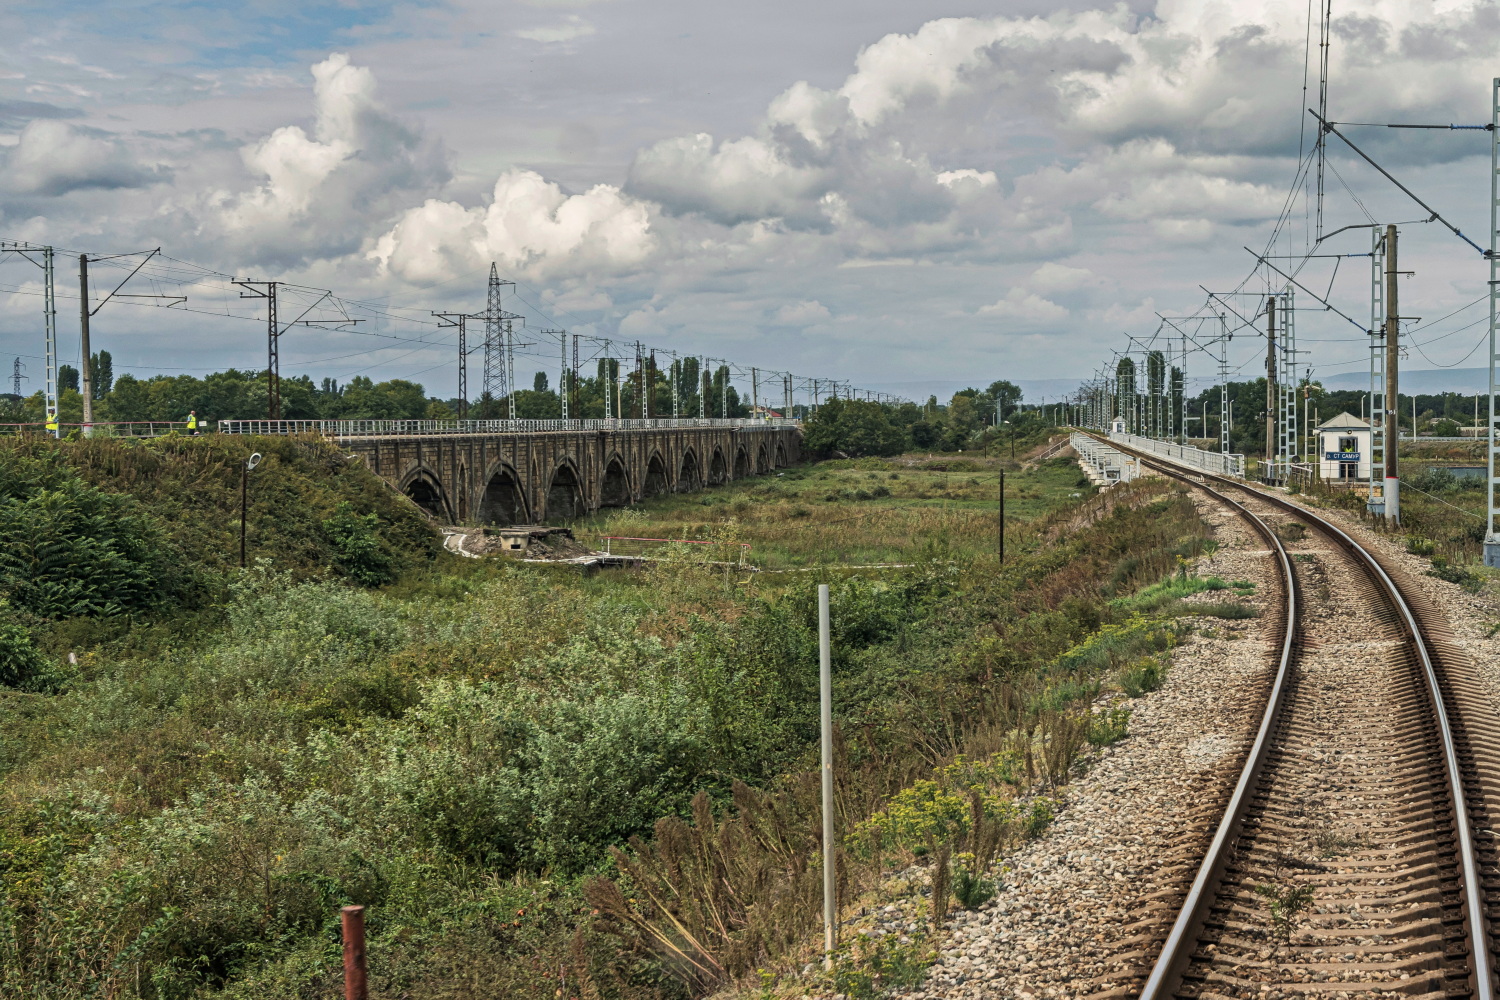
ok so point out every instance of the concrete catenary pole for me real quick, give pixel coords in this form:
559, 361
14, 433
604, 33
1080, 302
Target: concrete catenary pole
825, 713
1392, 414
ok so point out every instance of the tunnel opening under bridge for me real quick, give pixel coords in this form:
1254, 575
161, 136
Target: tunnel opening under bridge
688, 476
504, 502
614, 491
564, 495
428, 495
656, 478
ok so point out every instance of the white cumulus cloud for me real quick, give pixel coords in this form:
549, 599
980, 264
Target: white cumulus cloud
530, 223
566, 30
54, 158
1025, 308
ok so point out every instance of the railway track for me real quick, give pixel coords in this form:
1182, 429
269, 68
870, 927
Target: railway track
1356, 854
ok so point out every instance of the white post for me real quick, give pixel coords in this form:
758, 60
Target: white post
825, 699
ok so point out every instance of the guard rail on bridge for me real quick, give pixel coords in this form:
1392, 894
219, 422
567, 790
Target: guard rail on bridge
412, 428
1194, 458
1102, 464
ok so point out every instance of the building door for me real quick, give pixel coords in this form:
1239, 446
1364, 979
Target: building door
1349, 470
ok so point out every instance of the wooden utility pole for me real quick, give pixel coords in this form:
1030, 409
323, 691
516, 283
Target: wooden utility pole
1271, 379
1392, 407
86, 369
1002, 517
355, 975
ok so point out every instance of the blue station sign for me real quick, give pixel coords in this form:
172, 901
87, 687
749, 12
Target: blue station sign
1341, 456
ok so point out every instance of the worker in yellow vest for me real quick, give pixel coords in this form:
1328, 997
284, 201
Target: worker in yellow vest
52, 423
192, 422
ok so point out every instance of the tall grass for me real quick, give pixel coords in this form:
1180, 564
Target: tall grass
486, 753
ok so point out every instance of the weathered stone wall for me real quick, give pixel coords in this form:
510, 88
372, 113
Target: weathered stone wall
538, 476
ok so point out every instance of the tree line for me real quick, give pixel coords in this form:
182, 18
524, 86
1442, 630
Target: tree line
235, 394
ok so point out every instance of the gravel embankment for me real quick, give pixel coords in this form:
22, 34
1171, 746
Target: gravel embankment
1130, 829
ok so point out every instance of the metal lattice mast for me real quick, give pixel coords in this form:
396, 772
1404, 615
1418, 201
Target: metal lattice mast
1224, 427
458, 320
562, 372
703, 390
463, 367
1286, 390
1491, 540
16, 377
1376, 501
676, 382
496, 383
573, 384
510, 368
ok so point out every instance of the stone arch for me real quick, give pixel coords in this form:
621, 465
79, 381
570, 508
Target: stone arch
504, 500
614, 487
718, 468
741, 462
762, 461
426, 491
565, 494
658, 480
689, 475
781, 454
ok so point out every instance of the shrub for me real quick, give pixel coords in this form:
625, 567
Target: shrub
358, 551
971, 888
1108, 726
1419, 546
1465, 578
21, 666
1434, 479
1143, 677
68, 548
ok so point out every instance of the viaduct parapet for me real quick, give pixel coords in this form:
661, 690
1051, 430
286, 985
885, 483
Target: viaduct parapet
534, 471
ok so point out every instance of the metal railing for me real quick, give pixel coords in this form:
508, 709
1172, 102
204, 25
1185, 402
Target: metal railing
409, 428
1108, 464
1194, 458
609, 541
104, 428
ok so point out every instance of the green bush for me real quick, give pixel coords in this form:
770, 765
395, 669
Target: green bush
21, 666
1465, 578
358, 550
68, 548
1434, 479
971, 889
1108, 726
1143, 677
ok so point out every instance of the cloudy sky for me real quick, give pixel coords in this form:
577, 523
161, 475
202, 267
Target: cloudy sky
907, 195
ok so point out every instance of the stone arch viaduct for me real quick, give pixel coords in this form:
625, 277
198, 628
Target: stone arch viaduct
537, 474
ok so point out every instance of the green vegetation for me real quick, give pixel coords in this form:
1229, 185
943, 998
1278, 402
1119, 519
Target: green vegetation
532, 776
853, 512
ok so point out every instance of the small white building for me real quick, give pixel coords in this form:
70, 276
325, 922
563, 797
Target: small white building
1344, 448
1117, 426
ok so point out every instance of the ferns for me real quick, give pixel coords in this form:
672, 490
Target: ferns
67, 548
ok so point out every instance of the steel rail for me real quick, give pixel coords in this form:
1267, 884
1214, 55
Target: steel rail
1183, 939
1178, 950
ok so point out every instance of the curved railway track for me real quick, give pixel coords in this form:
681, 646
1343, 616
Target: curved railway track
1356, 855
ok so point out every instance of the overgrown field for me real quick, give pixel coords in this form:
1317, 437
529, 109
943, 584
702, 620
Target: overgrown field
542, 783
852, 512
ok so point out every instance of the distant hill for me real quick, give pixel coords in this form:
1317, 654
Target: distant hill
1468, 381
1423, 381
